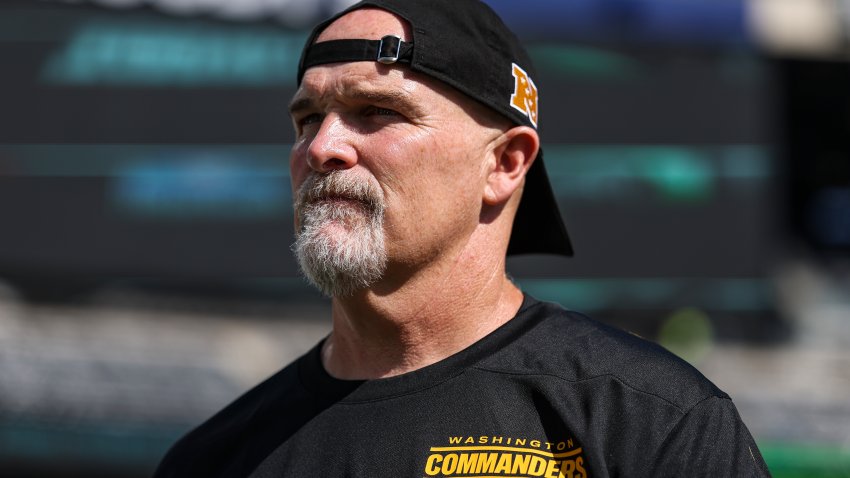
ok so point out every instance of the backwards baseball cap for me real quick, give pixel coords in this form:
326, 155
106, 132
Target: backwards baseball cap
464, 44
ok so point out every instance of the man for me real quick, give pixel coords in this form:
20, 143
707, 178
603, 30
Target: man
417, 167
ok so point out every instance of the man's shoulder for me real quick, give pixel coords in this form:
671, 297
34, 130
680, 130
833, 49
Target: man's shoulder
573, 347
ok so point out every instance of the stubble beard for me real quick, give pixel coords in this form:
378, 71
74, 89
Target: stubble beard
339, 241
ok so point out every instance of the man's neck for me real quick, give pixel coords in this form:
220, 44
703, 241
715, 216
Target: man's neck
429, 317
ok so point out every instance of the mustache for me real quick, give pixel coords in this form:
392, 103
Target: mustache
339, 185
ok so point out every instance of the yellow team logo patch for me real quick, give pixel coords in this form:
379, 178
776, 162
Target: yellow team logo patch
524, 98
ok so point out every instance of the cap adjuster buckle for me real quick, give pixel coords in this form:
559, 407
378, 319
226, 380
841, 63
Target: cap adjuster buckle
389, 49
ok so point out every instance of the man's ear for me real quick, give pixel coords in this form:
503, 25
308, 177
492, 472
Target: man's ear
513, 153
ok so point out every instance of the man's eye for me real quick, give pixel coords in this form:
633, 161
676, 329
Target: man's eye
310, 119
378, 111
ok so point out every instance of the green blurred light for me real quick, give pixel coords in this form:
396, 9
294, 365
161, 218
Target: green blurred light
164, 54
717, 294
582, 61
738, 293
688, 333
745, 162
679, 173
583, 295
806, 460
674, 173
108, 160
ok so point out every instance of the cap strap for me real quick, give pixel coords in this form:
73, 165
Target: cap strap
386, 50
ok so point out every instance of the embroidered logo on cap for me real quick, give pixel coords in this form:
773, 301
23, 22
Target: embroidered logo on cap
524, 98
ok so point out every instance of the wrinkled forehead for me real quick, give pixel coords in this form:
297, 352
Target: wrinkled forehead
364, 83
413, 94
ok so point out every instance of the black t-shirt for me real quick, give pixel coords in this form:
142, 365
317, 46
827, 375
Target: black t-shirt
551, 393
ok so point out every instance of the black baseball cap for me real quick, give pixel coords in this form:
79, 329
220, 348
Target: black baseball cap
464, 44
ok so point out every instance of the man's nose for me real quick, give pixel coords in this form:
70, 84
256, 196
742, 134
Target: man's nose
331, 148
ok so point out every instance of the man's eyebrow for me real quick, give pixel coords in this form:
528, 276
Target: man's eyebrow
391, 98
300, 104
397, 98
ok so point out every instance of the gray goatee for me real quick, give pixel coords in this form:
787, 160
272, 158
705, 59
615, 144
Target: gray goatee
339, 241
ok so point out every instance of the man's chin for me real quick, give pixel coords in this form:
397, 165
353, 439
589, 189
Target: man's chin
340, 263
336, 283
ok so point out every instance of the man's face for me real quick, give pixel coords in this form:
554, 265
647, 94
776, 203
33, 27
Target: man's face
394, 160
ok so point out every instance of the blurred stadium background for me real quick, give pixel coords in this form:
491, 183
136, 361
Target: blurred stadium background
700, 151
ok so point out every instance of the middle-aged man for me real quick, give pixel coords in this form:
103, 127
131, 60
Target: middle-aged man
417, 167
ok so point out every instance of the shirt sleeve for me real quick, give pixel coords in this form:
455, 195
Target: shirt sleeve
710, 440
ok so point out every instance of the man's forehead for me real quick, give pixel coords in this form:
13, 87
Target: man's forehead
366, 23
360, 74
363, 82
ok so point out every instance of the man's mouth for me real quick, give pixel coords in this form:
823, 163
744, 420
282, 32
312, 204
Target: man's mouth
342, 200
345, 197
332, 198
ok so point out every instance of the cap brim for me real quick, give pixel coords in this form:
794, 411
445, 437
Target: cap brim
538, 227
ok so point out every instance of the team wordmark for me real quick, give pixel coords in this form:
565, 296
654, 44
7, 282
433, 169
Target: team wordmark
505, 457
